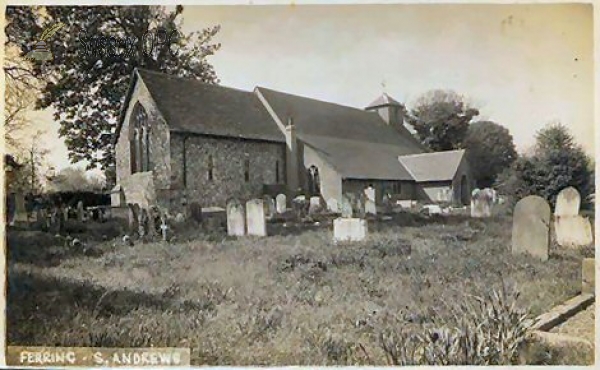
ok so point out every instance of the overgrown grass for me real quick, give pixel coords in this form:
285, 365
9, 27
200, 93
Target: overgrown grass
294, 298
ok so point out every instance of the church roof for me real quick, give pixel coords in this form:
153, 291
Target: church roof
382, 101
192, 106
437, 166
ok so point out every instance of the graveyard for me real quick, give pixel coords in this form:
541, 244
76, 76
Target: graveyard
273, 285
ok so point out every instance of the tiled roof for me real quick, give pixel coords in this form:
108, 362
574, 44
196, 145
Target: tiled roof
193, 106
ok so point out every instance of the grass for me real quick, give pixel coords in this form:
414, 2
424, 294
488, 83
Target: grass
294, 298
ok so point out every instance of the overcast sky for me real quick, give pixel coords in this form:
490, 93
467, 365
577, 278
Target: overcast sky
523, 66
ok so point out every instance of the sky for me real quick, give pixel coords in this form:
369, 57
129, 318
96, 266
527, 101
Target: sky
522, 66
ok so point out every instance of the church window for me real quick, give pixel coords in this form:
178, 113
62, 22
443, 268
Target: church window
139, 140
314, 182
210, 168
247, 170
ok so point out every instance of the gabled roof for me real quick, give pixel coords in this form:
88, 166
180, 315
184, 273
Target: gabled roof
382, 101
438, 166
192, 106
360, 160
318, 118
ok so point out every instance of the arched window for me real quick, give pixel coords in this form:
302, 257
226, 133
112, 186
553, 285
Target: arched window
314, 183
210, 167
139, 139
247, 170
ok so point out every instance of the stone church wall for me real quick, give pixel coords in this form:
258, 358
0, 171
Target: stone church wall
228, 168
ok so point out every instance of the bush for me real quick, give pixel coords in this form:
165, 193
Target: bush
485, 331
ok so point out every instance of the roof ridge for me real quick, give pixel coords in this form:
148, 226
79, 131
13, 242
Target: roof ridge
190, 79
438, 152
316, 100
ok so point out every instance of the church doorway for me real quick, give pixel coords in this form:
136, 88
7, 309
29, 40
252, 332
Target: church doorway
314, 182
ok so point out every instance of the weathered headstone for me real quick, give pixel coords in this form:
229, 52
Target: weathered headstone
332, 205
236, 220
531, 227
281, 203
568, 202
20, 209
571, 229
370, 205
255, 217
314, 205
346, 207
481, 203
80, 212
349, 229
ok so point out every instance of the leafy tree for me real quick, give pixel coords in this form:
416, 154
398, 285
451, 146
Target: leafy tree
94, 54
557, 162
73, 179
490, 150
441, 119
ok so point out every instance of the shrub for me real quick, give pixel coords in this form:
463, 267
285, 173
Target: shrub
488, 330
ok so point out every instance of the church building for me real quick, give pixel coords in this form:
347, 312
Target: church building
179, 140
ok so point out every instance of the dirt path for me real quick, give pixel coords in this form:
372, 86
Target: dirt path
580, 325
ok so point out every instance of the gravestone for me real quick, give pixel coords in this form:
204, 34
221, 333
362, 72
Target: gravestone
346, 207
567, 202
571, 229
80, 212
236, 220
370, 205
588, 276
142, 222
332, 205
314, 205
20, 209
481, 203
255, 217
164, 228
133, 218
531, 227
281, 203
299, 205
349, 229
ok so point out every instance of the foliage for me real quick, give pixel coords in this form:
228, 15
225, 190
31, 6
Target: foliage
86, 82
490, 150
557, 162
441, 119
73, 179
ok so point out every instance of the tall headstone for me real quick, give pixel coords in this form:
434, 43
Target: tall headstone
80, 212
481, 203
20, 209
281, 203
314, 205
236, 221
255, 217
332, 205
531, 227
568, 202
571, 229
346, 208
370, 205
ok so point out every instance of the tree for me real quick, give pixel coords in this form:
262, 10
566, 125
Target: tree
94, 54
490, 150
557, 162
72, 179
441, 119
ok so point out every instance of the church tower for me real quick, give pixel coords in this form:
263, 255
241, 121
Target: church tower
390, 110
